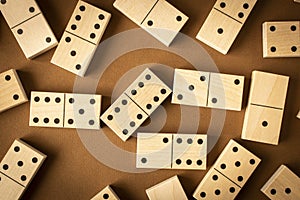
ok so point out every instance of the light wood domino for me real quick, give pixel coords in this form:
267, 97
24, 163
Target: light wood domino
106, 193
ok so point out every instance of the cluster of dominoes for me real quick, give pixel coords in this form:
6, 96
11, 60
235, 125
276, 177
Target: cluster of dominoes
176, 151
49, 109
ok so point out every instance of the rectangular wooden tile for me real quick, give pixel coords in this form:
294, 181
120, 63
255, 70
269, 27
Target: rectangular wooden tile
268, 89
236, 163
47, 109
9, 189
189, 151
190, 87
154, 150
106, 193
148, 91
297, 1
135, 10
73, 54
164, 22
88, 22
82, 111
226, 91
124, 117
170, 189
298, 115
239, 10
22, 162
214, 185
35, 36
262, 124
281, 39
11, 90
219, 31
283, 184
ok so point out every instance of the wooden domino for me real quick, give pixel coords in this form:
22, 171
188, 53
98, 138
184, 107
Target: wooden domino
82, 111
170, 189
81, 38
297, 1
226, 91
224, 23
189, 151
11, 90
148, 91
298, 115
18, 168
190, 87
154, 150
283, 184
106, 193
159, 18
281, 39
29, 26
215, 185
264, 112
124, 117
47, 109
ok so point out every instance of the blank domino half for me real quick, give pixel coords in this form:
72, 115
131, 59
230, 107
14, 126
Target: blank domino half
281, 39
170, 189
264, 112
81, 38
158, 17
283, 184
29, 26
11, 90
106, 193
224, 23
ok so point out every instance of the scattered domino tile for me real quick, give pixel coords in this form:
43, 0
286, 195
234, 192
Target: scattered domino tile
106, 193
145, 14
298, 115
170, 189
81, 38
281, 39
224, 23
297, 1
283, 184
154, 150
264, 112
29, 26
18, 168
82, 111
11, 90
189, 151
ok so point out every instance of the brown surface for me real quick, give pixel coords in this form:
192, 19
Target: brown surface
70, 172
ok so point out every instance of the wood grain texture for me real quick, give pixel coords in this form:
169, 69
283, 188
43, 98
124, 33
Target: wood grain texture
124, 117
283, 184
236, 163
215, 185
88, 22
190, 87
219, 31
47, 109
262, 124
281, 39
164, 22
16, 12
169, 189
268, 89
22, 162
239, 10
106, 193
226, 91
73, 54
148, 91
189, 151
9, 189
154, 150
35, 36
82, 111
135, 10
11, 90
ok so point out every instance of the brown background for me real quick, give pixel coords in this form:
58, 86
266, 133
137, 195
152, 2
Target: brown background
70, 172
